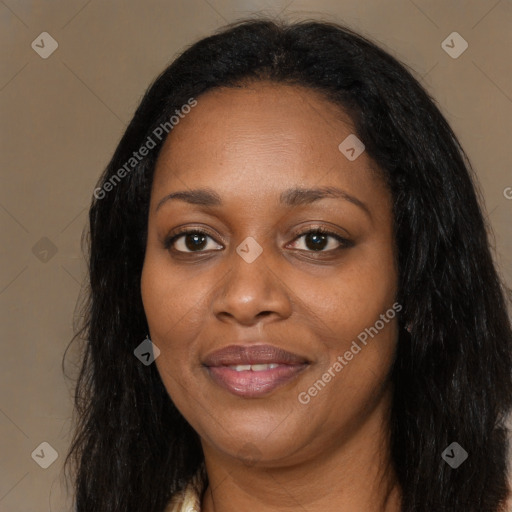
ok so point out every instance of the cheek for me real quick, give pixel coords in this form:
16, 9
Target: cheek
352, 299
173, 303
169, 305
345, 310
173, 309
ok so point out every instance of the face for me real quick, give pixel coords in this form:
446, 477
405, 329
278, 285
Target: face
276, 338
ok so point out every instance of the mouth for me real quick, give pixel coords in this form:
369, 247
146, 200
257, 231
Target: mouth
253, 371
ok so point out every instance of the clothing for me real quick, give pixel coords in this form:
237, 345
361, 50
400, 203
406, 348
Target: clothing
189, 500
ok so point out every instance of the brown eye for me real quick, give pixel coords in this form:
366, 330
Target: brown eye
320, 240
190, 241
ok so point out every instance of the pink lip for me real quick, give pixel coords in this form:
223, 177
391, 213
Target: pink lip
252, 354
249, 383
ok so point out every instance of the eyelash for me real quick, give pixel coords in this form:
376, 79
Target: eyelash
344, 243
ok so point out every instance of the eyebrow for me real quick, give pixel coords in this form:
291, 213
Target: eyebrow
291, 197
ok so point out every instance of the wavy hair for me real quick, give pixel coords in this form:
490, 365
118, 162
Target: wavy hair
133, 450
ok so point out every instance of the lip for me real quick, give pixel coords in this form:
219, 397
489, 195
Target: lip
252, 354
249, 383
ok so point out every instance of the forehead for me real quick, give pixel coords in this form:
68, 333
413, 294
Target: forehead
261, 135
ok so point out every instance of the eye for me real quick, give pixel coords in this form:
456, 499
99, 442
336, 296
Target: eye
321, 240
191, 240
315, 240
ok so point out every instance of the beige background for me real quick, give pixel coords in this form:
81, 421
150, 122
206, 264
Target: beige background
61, 118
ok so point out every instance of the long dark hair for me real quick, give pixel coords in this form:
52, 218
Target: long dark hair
132, 449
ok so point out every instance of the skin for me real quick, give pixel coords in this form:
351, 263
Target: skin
273, 453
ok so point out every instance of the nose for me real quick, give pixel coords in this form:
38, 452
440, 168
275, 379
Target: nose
252, 292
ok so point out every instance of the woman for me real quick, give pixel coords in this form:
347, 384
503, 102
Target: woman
293, 305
